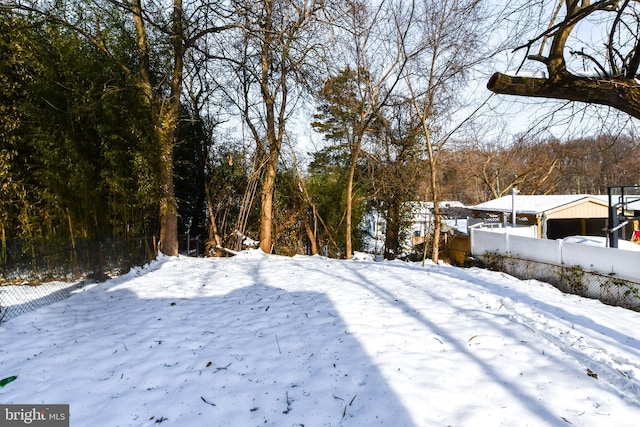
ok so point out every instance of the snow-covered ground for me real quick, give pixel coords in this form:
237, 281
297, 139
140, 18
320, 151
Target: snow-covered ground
259, 340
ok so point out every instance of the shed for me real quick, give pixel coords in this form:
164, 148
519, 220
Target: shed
556, 216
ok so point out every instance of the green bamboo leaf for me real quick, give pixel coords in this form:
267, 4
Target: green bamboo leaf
7, 380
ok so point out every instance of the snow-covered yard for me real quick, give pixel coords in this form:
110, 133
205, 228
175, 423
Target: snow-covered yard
258, 340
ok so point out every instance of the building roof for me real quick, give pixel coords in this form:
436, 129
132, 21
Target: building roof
420, 211
535, 205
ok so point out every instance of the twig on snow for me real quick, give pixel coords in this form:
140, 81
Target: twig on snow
221, 368
344, 413
288, 403
207, 402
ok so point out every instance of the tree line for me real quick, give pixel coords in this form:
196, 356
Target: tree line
584, 165
134, 118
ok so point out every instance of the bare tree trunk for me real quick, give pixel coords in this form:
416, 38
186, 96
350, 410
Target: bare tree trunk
311, 235
424, 112
266, 212
392, 235
271, 167
352, 172
168, 208
437, 218
214, 240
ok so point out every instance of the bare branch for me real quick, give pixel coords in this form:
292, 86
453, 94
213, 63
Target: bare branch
622, 94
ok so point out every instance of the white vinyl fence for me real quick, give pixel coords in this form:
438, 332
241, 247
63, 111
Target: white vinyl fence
617, 263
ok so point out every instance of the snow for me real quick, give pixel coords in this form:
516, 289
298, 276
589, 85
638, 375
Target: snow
264, 340
526, 73
460, 225
602, 242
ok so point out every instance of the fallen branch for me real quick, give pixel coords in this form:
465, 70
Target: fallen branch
229, 251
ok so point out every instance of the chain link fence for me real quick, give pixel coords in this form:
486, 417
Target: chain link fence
33, 277
607, 288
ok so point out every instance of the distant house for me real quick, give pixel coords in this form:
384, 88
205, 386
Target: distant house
454, 215
555, 216
419, 222
454, 239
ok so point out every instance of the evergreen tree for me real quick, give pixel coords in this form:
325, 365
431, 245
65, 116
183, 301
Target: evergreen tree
346, 118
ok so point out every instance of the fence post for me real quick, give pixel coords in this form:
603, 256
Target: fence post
507, 249
560, 254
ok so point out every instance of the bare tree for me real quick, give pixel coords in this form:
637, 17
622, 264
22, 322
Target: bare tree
369, 38
447, 47
267, 62
601, 71
185, 28
502, 165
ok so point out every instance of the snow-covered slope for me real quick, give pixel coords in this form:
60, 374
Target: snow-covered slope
259, 340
